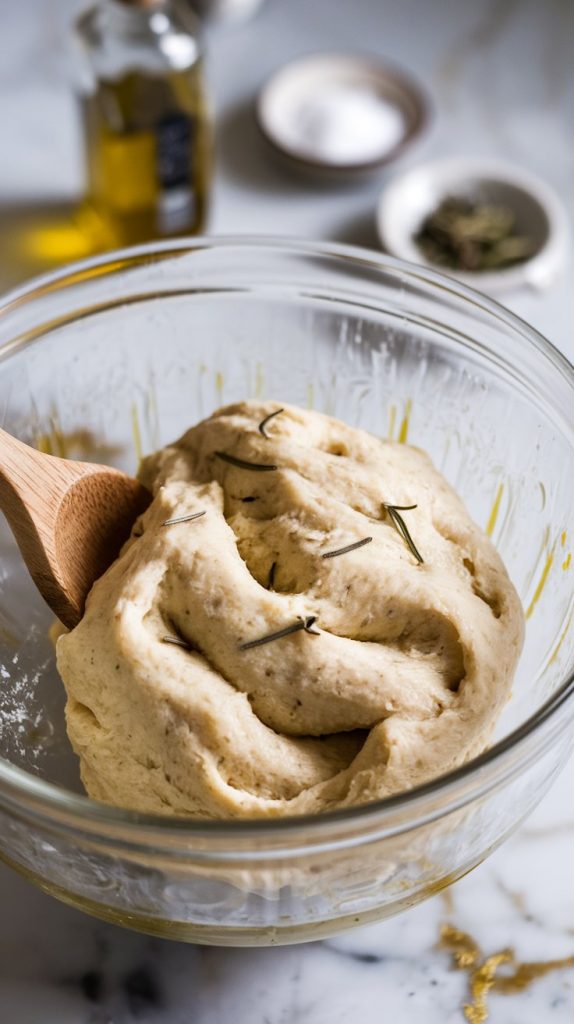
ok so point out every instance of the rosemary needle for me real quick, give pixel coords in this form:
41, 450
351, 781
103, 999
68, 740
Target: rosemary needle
183, 519
176, 640
400, 525
307, 623
262, 467
349, 547
271, 580
264, 422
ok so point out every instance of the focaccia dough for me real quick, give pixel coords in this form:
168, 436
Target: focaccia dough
404, 680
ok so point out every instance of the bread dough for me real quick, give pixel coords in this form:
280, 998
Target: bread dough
403, 679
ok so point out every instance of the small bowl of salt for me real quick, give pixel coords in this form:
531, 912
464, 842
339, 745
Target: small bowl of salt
341, 114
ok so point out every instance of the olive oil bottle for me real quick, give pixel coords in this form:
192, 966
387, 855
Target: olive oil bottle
145, 119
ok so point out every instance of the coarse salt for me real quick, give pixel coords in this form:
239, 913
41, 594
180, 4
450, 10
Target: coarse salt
344, 124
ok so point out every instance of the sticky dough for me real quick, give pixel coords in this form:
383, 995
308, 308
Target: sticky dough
403, 681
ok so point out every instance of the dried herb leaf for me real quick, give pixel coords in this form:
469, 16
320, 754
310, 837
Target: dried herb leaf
183, 519
178, 641
400, 525
264, 422
349, 547
473, 235
260, 467
302, 624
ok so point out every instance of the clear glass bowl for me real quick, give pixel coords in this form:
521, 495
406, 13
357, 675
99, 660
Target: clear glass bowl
117, 356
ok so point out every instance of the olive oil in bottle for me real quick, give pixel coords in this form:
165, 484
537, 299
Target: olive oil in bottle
146, 125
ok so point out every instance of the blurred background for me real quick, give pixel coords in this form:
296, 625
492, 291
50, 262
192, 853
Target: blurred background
498, 79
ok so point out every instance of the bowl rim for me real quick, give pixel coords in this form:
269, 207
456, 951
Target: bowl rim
21, 790
415, 128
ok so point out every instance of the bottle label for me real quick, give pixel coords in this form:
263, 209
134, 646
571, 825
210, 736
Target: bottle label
176, 199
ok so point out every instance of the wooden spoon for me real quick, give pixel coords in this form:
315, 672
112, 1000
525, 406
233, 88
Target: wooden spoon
70, 520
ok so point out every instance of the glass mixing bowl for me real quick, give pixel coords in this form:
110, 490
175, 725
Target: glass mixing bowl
117, 356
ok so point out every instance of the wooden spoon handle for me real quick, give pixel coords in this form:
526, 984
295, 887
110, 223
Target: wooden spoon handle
30, 493
32, 488
33, 484
69, 520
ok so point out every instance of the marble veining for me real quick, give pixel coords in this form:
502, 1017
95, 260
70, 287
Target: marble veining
58, 966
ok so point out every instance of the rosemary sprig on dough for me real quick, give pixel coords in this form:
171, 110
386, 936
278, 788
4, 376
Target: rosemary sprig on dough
178, 641
304, 623
264, 422
400, 525
183, 519
349, 547
261, 467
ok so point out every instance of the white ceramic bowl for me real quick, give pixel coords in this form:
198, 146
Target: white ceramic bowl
295, 104
411, 196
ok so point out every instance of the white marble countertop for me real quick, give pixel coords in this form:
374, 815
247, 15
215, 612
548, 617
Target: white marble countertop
59, 967
502, 79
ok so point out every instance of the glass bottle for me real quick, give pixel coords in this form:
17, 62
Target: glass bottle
146, 125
